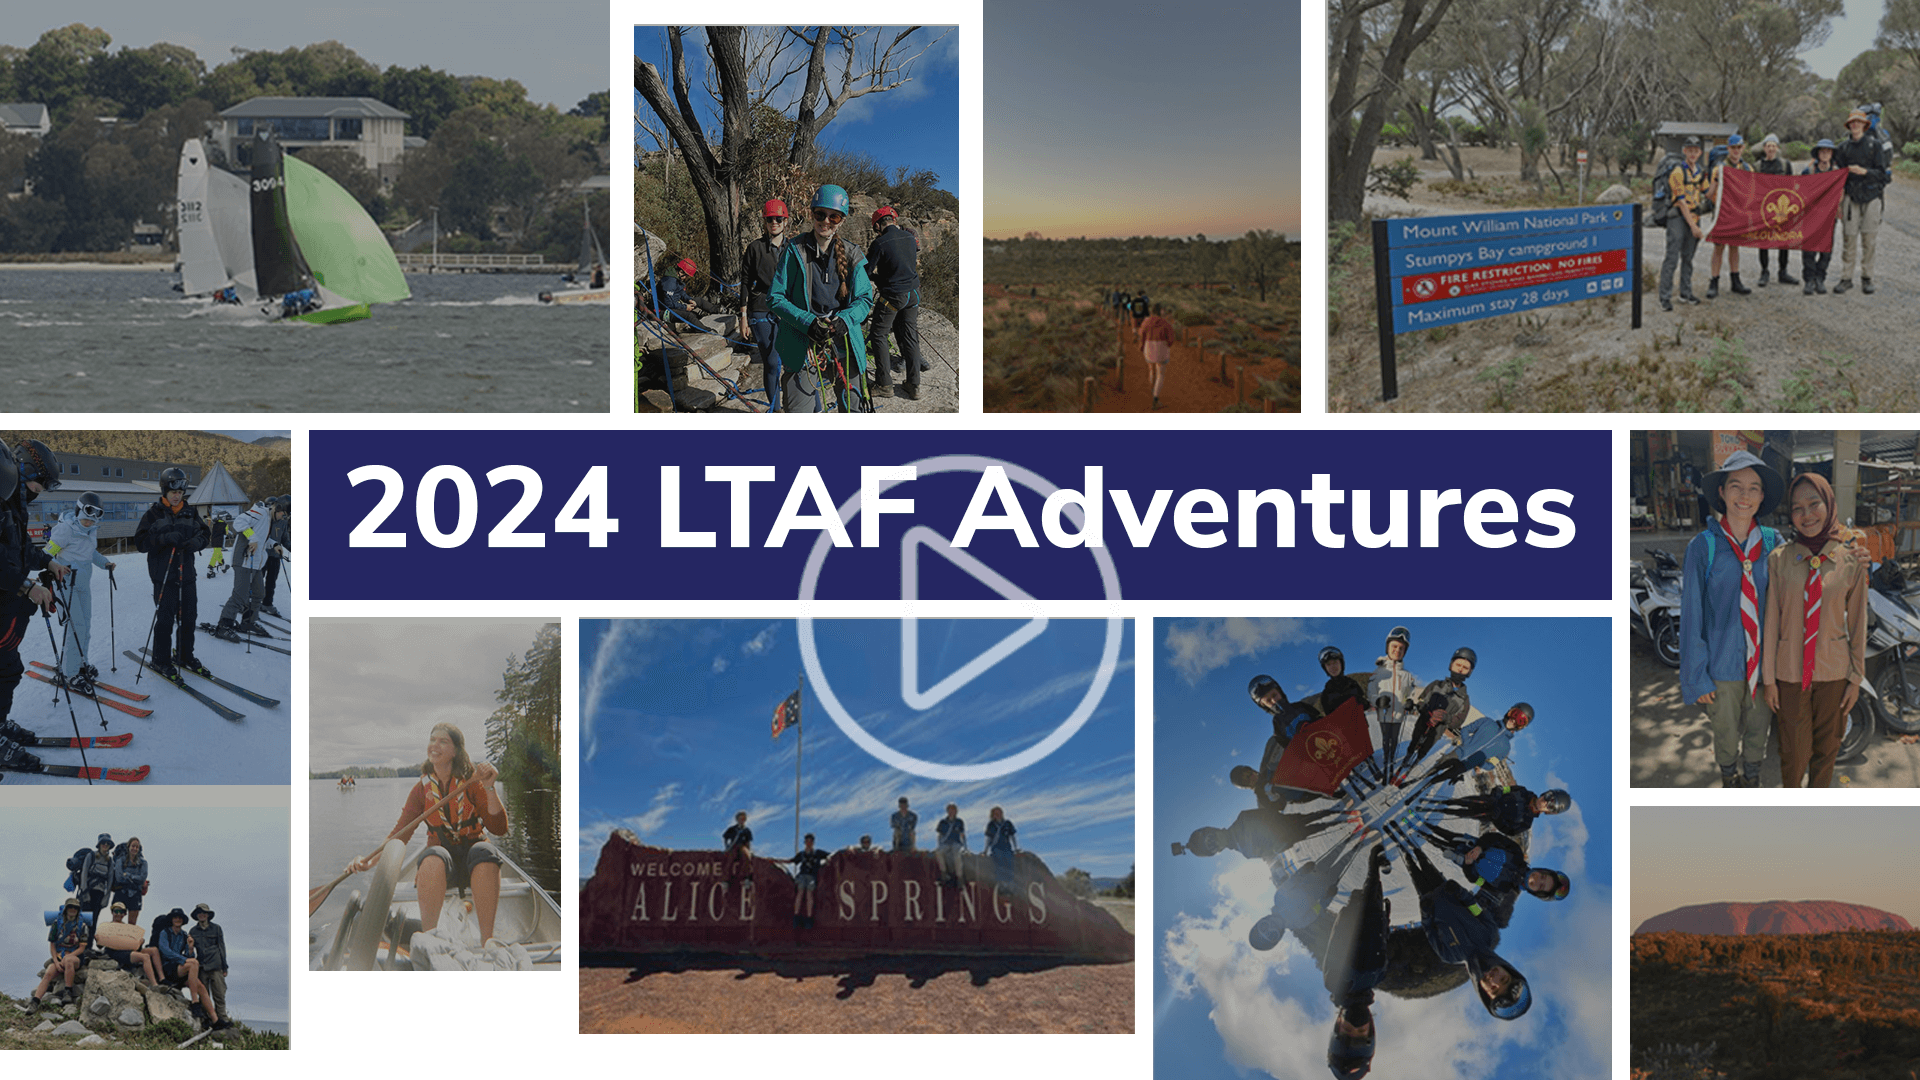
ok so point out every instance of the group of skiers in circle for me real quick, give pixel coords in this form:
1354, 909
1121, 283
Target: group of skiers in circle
1390, 807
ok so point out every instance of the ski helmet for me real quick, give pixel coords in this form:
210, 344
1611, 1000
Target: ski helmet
88, 506
1526, 715
774, 208
1555, 801
1401, 635
9, 473
1472, 658
1332, 653
222, 515
1562, 885
37, 463
1266, 932
882, 214
1263, 685
1207, 841
1514, 1001
173, 479
1351, 1056
831, 197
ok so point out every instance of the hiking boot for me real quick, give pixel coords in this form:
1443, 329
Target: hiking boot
1739, 289
1713, 287
883, 391
14, 757
1730, 776
1666, 304
911, 393
1820, 284
1845, 284
1689, 298
1784, 279
1806, 289
1762, 283
1866, 285
1752, 775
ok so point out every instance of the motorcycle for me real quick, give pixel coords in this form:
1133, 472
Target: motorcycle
1653, 606
1892, 685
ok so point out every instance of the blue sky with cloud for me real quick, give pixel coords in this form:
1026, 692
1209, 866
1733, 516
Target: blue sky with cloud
1222, 1009
676, 735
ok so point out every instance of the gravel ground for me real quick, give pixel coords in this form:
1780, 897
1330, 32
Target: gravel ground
939, 384
1807, 352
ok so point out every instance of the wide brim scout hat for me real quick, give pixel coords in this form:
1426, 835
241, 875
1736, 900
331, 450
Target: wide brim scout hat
1856, 115
198, 908
1775, 487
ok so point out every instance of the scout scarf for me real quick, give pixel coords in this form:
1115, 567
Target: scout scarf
458, 822
1749, 599
1817, 558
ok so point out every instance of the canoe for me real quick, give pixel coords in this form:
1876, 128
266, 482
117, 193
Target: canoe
527, 921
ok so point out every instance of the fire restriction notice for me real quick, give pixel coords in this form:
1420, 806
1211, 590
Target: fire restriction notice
1437, 271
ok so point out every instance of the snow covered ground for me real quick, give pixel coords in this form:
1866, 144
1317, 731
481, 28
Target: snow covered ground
184, 741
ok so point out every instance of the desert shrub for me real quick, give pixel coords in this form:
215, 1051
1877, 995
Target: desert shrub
1395, 178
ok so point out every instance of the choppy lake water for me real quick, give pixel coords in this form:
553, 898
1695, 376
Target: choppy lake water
124, 341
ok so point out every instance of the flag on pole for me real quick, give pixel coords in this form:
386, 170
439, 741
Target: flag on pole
1766, 210
786, 714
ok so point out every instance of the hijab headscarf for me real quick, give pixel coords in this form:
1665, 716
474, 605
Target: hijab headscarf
1825, 491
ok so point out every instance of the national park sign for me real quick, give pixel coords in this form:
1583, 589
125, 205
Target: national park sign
645, 899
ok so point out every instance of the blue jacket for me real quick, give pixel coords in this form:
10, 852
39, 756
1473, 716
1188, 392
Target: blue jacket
1486, 739
1713, 648
791, 302
73, 544
952, 830
890, 260
128, 874
1302, 896
176, 946
1459, 923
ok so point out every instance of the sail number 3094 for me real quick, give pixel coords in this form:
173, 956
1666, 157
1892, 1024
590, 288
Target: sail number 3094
585, 510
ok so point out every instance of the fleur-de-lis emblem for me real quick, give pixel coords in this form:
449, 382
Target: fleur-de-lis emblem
1324, 748
1782, 208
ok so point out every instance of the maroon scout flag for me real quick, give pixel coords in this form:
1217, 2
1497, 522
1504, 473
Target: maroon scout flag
786, 714
1762, 210
1324, 751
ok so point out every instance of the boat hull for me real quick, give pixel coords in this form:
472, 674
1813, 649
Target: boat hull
328, 317
578, 296
526, 916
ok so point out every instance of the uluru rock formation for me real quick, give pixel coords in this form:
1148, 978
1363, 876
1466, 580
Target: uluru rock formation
1773, 917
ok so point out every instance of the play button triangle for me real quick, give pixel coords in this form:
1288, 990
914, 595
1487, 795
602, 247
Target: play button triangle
921, 536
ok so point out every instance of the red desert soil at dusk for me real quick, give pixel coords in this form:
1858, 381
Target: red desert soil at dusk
1773, 917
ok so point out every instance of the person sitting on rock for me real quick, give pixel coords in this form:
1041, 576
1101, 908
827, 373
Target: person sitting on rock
675, 298
178, 964
739, 847
67, 942
136, 960
210, 946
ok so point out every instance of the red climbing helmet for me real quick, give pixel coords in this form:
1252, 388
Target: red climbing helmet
775, 208
686, 268
881, 215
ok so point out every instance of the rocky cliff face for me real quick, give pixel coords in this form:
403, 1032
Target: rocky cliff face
1773, 917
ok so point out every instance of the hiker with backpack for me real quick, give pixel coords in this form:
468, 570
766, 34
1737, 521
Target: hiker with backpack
1685, 198
1813, 264
1724, 580
1869, 172
1735, 159
821, 296
1773, 164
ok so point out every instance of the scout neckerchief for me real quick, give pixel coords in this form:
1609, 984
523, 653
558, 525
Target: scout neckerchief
1816, 557
458, 822
1749, 598
1811, 602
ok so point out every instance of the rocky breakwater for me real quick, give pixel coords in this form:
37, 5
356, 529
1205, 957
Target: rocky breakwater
644, 899
106, 1001
1773, 917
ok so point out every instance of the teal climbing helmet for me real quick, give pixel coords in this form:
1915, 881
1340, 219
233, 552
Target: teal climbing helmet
831, 197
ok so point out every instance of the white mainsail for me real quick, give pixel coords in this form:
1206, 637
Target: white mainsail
215, 226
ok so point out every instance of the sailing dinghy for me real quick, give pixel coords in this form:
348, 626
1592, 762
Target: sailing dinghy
592, 261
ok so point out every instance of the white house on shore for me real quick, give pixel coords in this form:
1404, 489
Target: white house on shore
25, 118
373, 129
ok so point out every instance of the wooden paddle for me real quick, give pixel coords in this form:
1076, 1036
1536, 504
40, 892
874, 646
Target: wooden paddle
318, 896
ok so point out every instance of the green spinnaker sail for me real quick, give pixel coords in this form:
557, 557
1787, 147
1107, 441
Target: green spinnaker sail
345, 250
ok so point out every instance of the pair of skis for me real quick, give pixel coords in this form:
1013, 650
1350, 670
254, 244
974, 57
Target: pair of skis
212, 631
110, 703
223, 711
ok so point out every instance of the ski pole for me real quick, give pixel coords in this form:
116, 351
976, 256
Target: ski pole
47, 618
113, 646
153, 628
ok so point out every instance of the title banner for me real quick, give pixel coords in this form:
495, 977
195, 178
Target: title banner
959, 515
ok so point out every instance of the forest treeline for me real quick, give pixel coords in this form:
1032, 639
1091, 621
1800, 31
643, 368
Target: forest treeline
261, 471
1259, 261
523, 741
493, 164
1586, 74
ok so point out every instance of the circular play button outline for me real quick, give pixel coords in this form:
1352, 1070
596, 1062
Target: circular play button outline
934, 770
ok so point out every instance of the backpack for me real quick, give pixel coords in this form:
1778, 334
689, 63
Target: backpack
1140, 308
1715, 156
1662, 195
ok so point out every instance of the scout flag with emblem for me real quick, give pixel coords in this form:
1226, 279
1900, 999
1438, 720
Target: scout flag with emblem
1764, 210
786, 714
1324, 751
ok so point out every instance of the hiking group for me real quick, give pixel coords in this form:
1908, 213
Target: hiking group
812, 305
1773, 623
1687, 192
1326, 849
191, 959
